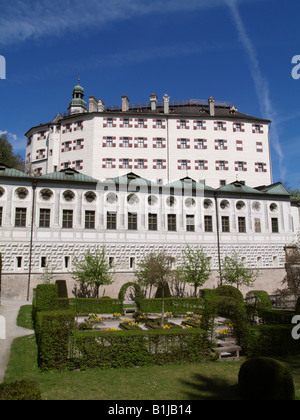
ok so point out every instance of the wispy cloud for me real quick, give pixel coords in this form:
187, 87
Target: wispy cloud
261, 84
23, 20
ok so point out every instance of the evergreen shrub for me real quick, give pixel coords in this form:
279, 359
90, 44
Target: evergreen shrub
229, 291
264, 378
20, 391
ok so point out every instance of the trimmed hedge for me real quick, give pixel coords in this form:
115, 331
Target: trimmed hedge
53, 331
138, 348
88, 305
171, 305
20, 391
265, 379
229, 291
271, 340
46, 296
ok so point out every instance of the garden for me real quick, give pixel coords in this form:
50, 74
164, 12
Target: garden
101, 334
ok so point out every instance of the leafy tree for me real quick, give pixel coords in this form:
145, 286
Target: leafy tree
195, 268
235, 272
92, 270
7, 155
155, 270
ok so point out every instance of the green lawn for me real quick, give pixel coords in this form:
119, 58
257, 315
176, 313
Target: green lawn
202, 381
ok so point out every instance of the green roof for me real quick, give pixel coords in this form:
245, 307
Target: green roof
238, 187
186, 182
7, 171
69, 175
274, 189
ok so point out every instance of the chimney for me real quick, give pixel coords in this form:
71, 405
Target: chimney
101, 106
153, 99
93, 104
211, 103
166, 99
125, 103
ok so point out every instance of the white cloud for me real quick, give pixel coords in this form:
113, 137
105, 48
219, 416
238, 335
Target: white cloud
261, 84
22, 20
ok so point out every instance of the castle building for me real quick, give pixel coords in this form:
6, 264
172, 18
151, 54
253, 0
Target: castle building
139, 179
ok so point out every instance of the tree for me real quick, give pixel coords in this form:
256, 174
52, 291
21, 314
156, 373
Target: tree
155, 270
92, 270
235, 272
7, 155
195, 268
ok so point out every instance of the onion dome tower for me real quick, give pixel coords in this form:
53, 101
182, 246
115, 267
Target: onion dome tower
78, 104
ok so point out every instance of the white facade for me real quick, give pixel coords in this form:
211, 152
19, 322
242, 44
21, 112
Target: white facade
210, 142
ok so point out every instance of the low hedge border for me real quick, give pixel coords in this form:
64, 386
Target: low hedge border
174, 305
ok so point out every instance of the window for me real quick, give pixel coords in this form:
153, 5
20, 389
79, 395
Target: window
221, 144
183, 124
172, 222
43, 262
141, 142
240, 166
238, 127
275, 227
184, 164
219, 126
111, 219
159, 164
199, 125
132, 262
141, 123
66, 262
190, 223
19, 262
222, 182
109, 163
44, 218
67, 219
109, 122
201, 165
159, 143
68, 146
152, 221
208, 226
221, 165
125, 141
20, 219
132, 221
126, 122
141, 164
257, 128
242, 224
225, 224
183, 143
109, 142
90, 219
200, 143
125, 163
260, 167
257, 225
158, 123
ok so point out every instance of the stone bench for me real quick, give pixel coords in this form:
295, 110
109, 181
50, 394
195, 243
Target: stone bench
233, 350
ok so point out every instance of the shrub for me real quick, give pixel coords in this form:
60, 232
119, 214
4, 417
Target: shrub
46, 296
229, 291
62, 288
263, 378
20, 390
89, 305
259, 299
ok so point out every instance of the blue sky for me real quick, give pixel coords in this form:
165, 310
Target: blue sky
234, 50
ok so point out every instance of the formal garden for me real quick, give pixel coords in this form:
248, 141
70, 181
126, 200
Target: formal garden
245, 335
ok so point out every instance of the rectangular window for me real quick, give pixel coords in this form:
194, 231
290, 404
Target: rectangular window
44, 218
111, 219
125, 141
172, 222
257, 225
43, 262
125, 163
220, 126
159, 142
182, 124
141, 164
67, 222
225, 224
190, 223
141, 123
132, 221
152, 221
222, 165
208, 226
20, 219
242, 224
126, 122
141, 142
109, 141
109, 122
275, 227
240, 166
238, 127
89, 219
183, 143
221, 144
200, 143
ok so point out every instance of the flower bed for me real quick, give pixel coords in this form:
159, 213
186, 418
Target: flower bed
156, 323
128, 324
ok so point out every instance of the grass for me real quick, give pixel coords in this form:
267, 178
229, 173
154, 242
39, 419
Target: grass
201, 381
